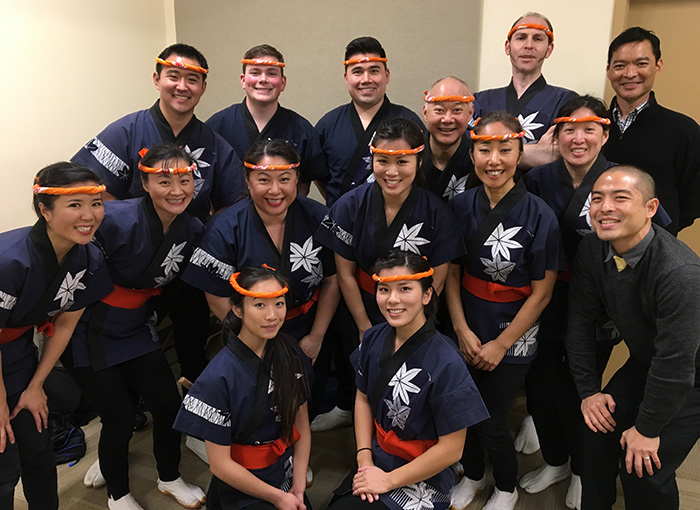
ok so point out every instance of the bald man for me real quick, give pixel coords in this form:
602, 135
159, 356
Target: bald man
447, 110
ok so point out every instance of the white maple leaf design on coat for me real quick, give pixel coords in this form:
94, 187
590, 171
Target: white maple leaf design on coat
529, 125
408, 239
525, 345
501, 241
455, 186
305, 256
397, 412
200, 163
68, 287
497, 269
316, 276
419, 496
586, 213
401, 382
171, 263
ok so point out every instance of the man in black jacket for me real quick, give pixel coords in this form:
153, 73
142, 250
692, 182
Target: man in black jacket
647, 418
662, 142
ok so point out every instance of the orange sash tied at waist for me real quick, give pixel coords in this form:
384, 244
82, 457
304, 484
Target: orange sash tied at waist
262, 455
364, 281
407, 450
492, 291
304, 308
122, 297
7, 335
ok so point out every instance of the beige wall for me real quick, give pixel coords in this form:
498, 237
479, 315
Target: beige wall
70, 67
423, 41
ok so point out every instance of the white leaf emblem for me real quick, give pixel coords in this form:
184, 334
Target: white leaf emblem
455, 186
501, 241
304, 256
586, 213
397, 413
401, 382
198, 180
497, 269
525, 345
529, 125
419, 496
315, 278
171, 263
408, 239
7, 301
68, 287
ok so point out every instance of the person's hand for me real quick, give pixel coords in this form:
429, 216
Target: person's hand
642, 451
370, 482
597, 412
34, 400
299, 492
6, 432
470, 345
489, 356
289, 501
311, 345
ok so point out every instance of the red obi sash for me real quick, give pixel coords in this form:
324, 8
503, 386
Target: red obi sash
262, 455
364, 281
492, 291
304, 308
407, 450
121, 297
7, 335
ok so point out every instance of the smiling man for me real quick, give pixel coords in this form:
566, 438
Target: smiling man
663, 142
261, 117
529, 97
447, 111
347, 130
647, 418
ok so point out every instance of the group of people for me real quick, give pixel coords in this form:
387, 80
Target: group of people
509, 242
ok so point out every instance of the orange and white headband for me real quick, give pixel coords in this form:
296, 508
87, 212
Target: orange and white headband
182, 65
271, 167
361, 60
402, 277
261, 295
51, 190
181, 170
587, 118
396, 152
446, 99
261, 62
536, 26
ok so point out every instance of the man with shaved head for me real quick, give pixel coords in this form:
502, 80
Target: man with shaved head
447, 110
645, 421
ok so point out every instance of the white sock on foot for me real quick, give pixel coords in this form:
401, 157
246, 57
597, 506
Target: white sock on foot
526, 441
573, 495
124, 503
465, 491
541, 478
334, 419
186, 494
501, 500
93, 477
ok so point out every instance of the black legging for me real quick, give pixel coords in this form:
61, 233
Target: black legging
31, 456
109, 391
350, 502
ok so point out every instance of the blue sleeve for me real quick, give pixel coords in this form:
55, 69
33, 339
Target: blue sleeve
547, 249
229, 180
449, 243
336, 229
314, 166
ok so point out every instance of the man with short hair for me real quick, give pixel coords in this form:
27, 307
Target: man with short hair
663, 142
261, 117
648, 283
447, 111
347, 130
528, 96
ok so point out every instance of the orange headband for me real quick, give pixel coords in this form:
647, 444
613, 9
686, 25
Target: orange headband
87, 190
261, 62
402, 277
360, 60
488, 138
396, 152
587, 118
177, 63
453, 99
536, 26
182, 170
270, 167
262, 295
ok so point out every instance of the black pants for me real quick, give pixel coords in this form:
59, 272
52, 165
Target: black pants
32, 457
222, 496
498, 389
604, 458
109, 391
350, 502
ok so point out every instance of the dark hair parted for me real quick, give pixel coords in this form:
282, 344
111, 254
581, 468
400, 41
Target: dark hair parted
166, 154
504, 118
596, 105
282, 358
186, 51
635, 35
61, 175
364, 46
277, 148
416, 264
264, 50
